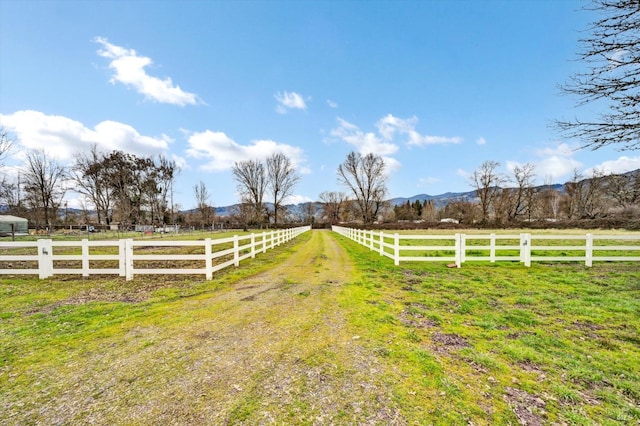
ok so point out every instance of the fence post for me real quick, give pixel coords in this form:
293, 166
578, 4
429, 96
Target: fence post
85, 257
371, 239
253, 245
236, 252
588, 252
264, 241
208, 261
122, 258
381, 243
463, 249
525, 249
458, 255
45, 259
396, 249
128, 257
492, 249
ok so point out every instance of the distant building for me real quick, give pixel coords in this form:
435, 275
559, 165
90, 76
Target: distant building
10, 225
449, 220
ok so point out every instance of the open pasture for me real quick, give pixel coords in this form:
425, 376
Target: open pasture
554, 343
127, 257
321, 330
488, 246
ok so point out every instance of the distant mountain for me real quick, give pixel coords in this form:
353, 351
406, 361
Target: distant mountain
439, 200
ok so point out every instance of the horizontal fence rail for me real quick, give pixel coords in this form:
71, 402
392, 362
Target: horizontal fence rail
526, 248
129, 257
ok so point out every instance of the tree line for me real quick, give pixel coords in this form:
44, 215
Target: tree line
118, 187
129, 190
497, 198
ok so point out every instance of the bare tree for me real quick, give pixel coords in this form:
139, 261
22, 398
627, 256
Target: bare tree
251, 179
244, 213
44, 179
282, 178
612, 53
549, 200
309, 212
486, 180
6, 142
11, 196
365, 177
429, 211
464, 211
203, 202
7, 189
333, 204
585, 197
518, 201
624, 188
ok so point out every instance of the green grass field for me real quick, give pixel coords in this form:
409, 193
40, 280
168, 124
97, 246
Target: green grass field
322, 330
489, 340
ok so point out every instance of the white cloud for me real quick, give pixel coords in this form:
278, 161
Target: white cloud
389, 125
11, 172
221, 151
621, 165
365, 143
391, 164
511, 165
62, 137
289, 100
556, 167
562, 149
382, 143
557, 162
129, 69
332, 104
181, 162
481, 141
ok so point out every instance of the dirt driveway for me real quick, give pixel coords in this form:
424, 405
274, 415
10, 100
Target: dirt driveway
273, 348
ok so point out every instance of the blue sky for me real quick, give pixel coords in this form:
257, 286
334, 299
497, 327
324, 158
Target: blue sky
435, 87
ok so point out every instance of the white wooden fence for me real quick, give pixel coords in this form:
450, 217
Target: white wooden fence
526, 248
126, 256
